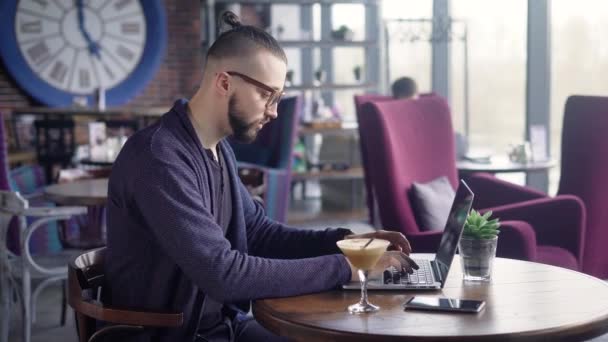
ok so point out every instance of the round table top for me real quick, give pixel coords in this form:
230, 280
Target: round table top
524, 302
81, 192
503, 164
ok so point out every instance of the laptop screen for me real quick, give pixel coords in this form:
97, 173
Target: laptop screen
453, 228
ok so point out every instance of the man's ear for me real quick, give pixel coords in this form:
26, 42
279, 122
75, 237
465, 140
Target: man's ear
222, 83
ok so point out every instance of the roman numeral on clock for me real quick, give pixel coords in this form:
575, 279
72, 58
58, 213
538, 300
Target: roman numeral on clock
39, 53
31, 27
59, 71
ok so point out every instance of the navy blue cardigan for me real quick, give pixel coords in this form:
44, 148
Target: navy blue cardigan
166, 252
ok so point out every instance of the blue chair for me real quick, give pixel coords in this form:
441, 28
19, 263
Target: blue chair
270, 157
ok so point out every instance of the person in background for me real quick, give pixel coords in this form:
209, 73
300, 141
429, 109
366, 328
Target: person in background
405, 88
184, 235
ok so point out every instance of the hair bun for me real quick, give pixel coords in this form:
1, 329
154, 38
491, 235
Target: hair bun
231, 19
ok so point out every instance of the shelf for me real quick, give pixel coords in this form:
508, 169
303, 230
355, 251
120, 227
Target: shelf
347, 128
352, 173
90, 111
301, 217
297, 2
21, 157
331, 86
325, 43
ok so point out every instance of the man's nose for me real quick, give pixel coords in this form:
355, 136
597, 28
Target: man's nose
271, 112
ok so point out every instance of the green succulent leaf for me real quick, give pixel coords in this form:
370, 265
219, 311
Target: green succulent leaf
480, 226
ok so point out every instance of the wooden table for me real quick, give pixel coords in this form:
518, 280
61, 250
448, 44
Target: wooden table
525, 302
503, 164
89, 192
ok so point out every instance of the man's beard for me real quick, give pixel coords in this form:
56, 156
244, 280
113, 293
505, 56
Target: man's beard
242, 131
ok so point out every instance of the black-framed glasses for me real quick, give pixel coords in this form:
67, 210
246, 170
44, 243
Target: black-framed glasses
275, 95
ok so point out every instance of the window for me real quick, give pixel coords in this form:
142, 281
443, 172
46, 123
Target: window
497, 72
578, 61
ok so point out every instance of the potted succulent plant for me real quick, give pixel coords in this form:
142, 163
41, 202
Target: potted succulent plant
477, 246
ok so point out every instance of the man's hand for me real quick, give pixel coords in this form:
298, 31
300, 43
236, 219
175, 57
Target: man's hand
396, 259
397, 240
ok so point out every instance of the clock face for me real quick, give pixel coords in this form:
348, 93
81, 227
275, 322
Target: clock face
69, 48
79, 46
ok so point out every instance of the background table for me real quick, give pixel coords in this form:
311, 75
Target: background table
525, 302
88, 192
92, 193
503, 164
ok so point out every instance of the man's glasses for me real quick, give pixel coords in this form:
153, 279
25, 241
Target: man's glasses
275, 95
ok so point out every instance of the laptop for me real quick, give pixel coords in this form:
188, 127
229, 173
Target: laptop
432, 273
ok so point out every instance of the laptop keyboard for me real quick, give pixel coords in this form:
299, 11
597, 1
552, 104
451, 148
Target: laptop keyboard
423, 275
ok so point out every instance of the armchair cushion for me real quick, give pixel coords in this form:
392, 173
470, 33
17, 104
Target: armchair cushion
432, 202
556, 256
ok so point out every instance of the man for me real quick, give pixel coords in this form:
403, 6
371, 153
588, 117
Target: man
183, 233
405, 88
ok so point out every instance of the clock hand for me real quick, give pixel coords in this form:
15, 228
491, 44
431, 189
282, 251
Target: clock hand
93, 46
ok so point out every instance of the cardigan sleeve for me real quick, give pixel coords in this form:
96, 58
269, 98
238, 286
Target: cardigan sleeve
168, 199
268, 238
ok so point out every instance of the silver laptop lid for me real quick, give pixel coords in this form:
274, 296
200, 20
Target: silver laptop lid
453, 229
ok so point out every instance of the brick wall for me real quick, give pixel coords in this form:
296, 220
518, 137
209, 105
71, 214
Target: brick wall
178, 75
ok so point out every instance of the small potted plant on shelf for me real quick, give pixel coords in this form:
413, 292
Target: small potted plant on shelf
343, 33
357, 73
320, 76
289, 78
477, 246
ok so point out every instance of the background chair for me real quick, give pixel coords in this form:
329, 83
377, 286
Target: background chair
360, 100
86, 278
369, 191
28, 237
25, 267
414, 142
584, 166
271, 155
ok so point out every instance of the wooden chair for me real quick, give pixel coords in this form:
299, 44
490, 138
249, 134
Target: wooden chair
86, 278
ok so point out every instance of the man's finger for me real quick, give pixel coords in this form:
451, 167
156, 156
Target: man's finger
411, 263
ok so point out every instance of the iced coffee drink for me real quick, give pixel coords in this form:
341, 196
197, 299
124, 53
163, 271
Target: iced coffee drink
363, 254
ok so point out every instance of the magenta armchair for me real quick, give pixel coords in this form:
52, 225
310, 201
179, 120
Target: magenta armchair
360, 100
584, 166
413, 141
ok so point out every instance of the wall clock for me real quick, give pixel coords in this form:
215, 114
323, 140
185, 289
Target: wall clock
58, 50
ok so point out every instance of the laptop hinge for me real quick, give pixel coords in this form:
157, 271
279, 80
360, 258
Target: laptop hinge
436, 273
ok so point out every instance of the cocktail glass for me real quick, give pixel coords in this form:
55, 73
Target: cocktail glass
364, 258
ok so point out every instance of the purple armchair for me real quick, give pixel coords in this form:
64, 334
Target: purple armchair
583, 173
414, 142
360, 100
271, 155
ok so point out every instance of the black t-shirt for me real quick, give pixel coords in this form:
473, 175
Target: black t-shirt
221, 208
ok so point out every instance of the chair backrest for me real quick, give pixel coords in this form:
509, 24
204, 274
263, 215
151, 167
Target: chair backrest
584, 168
26, 180
86, 277
360, 100
55, 143
413, 141
274, 145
